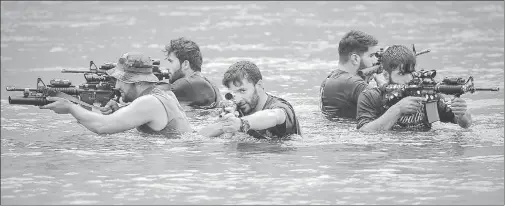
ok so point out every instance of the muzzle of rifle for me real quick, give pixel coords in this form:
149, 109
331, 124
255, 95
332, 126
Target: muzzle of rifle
228, 96
229, 103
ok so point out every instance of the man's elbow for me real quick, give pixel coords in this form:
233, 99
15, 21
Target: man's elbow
466, 125
100, 129
465, 122
365, 127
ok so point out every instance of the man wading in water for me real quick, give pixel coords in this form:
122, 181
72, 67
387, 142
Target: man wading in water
152, 110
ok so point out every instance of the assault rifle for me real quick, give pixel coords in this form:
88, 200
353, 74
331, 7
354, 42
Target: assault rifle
424, 85
377, 67
87, 97
98, 89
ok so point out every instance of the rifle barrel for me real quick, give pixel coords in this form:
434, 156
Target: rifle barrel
81, 71
66, 90
21, 90
423, 52
488, 89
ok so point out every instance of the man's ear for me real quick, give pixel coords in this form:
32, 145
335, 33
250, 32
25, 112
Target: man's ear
355, 59
186, 65
259, 84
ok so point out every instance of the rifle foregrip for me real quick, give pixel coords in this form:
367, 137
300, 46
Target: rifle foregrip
451, 89
36, 101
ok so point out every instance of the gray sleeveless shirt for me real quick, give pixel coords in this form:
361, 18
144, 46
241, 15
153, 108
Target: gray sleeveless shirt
177, 121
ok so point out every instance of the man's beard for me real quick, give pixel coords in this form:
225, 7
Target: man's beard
253, 103
128, 97
362, 65
176, 75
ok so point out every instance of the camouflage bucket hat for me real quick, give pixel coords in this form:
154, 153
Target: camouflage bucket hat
133, 67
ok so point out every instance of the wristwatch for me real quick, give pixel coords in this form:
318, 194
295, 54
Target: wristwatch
244, 125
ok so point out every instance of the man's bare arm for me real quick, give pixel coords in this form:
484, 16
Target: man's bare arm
141, 111
266, 119
384, 122
212, 130
258, 121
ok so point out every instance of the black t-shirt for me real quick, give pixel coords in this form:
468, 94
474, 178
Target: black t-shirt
196, 91
290, 126
371, 105
339, 94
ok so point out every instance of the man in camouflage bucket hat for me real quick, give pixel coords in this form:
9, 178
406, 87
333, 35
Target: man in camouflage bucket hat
152, 110
399, 64
133, 68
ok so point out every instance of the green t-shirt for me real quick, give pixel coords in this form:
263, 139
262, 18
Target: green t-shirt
339, 94
372, 105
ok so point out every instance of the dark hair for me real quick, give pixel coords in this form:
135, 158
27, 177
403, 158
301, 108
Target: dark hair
242, 70
398, 55
355, 42
185, 49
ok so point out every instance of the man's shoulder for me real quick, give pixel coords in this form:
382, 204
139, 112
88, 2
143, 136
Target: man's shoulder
274, 102
197, 81
181, 81
158, 93
371, 93
146, 103
344, 78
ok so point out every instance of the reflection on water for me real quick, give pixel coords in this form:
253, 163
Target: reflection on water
50, 159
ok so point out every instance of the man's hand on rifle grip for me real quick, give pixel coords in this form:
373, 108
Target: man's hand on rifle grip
458, 106
409, 105
111, 107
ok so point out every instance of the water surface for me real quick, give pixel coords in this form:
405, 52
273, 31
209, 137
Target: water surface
49, 159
